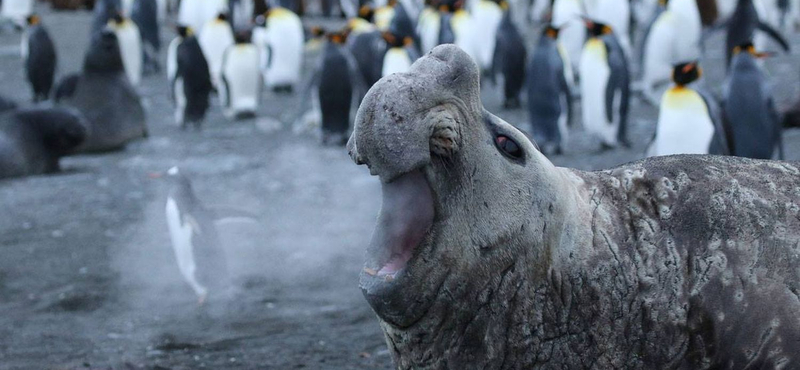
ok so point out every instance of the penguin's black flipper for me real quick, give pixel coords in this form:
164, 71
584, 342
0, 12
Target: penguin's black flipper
66, 87
728, 130
774, 34
719, 143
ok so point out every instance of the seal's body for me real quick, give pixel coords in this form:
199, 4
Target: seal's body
485, 255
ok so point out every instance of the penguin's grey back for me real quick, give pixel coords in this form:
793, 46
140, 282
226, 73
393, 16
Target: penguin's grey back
750, 111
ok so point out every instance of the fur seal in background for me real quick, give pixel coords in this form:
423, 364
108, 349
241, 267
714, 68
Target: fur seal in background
486, 255
33, 140
749, 110
103, 94
39, 55
145, 15
689, 121
549, 94
190, 81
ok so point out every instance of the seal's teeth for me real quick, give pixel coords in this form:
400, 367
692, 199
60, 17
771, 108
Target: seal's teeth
370, 272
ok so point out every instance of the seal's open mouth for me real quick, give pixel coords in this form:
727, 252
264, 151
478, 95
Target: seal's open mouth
406, 217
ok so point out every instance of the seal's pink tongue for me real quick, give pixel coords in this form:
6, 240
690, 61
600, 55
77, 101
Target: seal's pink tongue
406, 216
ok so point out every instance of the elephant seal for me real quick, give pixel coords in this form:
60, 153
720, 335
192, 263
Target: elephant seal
33, 140
103, 94
487, 256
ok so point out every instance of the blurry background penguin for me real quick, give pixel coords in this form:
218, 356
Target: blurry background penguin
39, 54
367, 45
16, 11
689, 121
215, 38
197, 13
145, 14
338, 87
241, 13
748, 108
509, 59
190, 79
279, 35
605, 86
617, 15
130, 46
104, 11
240, 92
549, 95
566, 15
742, 25
400, 55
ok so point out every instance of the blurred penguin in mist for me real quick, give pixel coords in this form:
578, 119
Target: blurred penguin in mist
749, 109
104, 11
549, 95
190, 80
195, 241
241, 13
39, 55
742, 26
240, 92
197, 13
401, 54
145, 14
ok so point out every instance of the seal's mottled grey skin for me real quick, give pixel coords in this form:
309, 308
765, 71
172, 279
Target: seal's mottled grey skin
688, 262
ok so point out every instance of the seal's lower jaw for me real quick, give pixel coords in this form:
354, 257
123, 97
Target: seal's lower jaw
404, 224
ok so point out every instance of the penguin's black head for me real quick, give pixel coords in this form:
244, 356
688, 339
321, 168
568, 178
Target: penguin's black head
366, 12
339, 37
450, 6
118, 18
33, 20
686, 73
551, 31
184, 31
222, 17
243, 36
597, 29
104, 55
396, 41
749, 48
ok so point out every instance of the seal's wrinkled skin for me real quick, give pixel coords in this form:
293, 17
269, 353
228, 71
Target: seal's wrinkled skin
687, 262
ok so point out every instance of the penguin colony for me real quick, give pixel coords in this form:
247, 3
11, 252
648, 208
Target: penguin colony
590, 62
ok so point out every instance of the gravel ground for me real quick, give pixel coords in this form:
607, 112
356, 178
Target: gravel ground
87, 274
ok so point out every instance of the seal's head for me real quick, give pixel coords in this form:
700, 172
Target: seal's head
464, 193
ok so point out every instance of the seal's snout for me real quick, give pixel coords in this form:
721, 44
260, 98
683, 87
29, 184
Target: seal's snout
408, 117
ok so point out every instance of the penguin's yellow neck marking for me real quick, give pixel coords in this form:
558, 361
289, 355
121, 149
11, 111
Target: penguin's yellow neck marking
682, 97
596, 47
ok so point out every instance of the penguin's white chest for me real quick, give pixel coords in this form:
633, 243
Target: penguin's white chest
172, 58
181, 235
130, 47
197, 13
396, 61
428, 29
486, 21
284, 45
684, 124
568, 14
215, 38
595, 73
242, 79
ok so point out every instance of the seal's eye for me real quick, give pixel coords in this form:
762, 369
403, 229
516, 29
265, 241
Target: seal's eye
508, 146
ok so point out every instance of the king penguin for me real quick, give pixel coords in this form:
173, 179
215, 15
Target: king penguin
39, 55
605, 86
689, 122
130, 46
145, 14
617, 15
282, 45
428, 27
197, 13
401, 54
549, 95
215, 38
190, 81
567, 17
749, 109
241, 78
509, 60
367, 46
16, 11
195, 241
104, 11
743, 24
